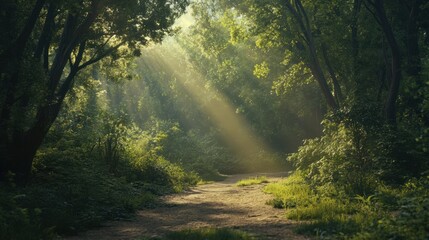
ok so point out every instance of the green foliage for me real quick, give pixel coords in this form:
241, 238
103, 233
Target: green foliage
356, 152
391, 213
72, 192
40, 63
115, 148
407, 217
261, 70
195, 150
96, 165
17, 222
252, 181
243, 75
75, 192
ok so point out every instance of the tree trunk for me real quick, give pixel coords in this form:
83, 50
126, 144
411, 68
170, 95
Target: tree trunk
337, 89
414, 65
390, 106
20, 146
313, 63
23, 150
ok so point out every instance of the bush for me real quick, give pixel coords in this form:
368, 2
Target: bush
17, 222
407, 216
353, 155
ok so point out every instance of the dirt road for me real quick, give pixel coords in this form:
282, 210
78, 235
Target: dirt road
220, 204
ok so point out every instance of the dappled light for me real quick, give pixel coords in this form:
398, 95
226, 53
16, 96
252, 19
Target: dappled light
214, 119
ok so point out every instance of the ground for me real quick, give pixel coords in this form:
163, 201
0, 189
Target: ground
220, 204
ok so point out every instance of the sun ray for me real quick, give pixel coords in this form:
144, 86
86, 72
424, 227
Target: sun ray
234, 129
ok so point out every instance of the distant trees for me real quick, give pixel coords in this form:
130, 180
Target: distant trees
221, 46
336, 41
369, 59
45, 44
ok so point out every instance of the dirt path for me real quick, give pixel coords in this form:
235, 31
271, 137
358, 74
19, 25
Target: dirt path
220, 204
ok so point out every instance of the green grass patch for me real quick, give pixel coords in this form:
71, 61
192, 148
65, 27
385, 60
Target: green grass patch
324, 214
392, 213
290, 193
206, 234
210, 234
252, 181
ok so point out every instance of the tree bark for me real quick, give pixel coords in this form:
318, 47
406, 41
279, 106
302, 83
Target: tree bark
414, 65
20, 148
10, 63
390, 105
337, 88
313, 63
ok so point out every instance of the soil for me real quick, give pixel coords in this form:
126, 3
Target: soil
218, 205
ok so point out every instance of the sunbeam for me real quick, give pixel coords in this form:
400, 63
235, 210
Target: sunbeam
234, 128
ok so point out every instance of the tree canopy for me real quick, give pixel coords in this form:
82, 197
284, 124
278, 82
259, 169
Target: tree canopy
107, 104
48, 44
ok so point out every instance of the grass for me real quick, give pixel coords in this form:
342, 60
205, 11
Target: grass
330, 214
252, 181
206, 234
290, 193
323, 214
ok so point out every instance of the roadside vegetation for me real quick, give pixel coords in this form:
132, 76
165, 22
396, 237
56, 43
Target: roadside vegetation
252, 181
328, 212
206, 234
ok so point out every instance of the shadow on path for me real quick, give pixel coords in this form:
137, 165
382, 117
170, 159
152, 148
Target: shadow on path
219, 204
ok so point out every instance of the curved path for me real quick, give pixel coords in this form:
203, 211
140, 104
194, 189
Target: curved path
220, 204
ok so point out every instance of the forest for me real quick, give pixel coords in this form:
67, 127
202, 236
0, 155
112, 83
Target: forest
311, 113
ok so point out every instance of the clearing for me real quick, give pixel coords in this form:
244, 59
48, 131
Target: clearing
218, 205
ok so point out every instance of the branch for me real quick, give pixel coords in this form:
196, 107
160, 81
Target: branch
100, 56
46, 56
84, 27
17, 48
99, 49
69, 40
68, 83
46, 32
371, 11
314, 63
337, 88
302, 10
62, 54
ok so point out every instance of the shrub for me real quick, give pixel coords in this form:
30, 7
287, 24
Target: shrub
17, 222
347, 156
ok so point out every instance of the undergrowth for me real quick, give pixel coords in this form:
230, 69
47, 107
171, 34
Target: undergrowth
71, 192
391, 213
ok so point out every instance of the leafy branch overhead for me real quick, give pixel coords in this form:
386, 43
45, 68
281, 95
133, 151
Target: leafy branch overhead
61, 38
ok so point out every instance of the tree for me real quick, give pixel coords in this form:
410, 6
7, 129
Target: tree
57, 40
